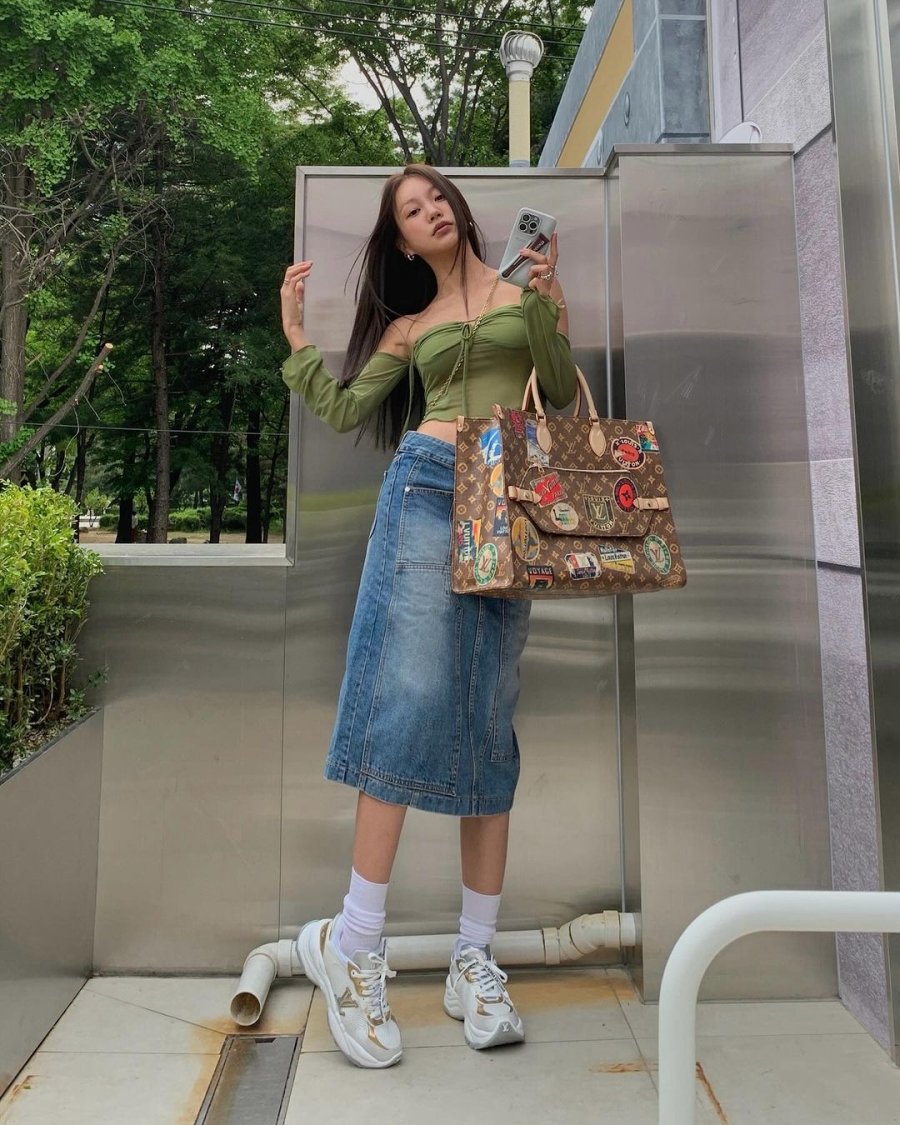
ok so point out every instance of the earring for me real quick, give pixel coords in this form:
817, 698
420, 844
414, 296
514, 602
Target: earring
410, 256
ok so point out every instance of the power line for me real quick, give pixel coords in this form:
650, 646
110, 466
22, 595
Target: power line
370, 4
289, 26
155, 430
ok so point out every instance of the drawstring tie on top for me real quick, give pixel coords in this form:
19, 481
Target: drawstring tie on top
468, 332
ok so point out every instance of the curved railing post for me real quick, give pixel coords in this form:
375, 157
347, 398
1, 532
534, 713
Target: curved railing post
718, 927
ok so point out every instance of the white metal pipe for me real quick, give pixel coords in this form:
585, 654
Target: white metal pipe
550, 946
754, 912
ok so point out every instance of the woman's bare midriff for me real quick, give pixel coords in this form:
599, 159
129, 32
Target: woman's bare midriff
446, 431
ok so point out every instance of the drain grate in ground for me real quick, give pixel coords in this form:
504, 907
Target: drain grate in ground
252, 1083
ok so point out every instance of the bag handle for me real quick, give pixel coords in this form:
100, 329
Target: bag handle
596, 437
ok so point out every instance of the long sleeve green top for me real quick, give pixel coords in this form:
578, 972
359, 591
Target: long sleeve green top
495, 365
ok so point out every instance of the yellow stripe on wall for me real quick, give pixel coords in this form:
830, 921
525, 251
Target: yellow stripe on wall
608, 77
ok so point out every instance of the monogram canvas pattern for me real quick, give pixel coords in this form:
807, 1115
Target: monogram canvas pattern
565, 521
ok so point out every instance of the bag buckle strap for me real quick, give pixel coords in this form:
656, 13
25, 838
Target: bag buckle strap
651, 503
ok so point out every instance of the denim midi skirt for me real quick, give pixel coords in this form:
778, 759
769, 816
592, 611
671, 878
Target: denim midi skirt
425, 712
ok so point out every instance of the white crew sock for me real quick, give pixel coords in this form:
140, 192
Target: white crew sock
362, 919
478, 921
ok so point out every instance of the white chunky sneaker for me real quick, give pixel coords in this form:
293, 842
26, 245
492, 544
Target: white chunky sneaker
359, 1016
475, 993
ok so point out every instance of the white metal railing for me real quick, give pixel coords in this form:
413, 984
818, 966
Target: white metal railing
787, 911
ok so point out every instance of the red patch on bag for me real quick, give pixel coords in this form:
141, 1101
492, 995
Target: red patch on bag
518, 422
548, 490
625, 494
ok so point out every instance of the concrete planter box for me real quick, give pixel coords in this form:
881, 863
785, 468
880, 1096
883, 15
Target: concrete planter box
49, 821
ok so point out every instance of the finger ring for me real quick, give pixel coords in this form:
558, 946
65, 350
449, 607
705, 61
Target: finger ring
546, 276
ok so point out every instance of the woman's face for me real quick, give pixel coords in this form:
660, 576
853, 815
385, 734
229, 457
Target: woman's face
424, 218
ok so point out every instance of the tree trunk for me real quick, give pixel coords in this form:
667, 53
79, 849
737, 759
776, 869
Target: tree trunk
219, 460
253, 494
126, 518
14, 235
158, 529
270, 483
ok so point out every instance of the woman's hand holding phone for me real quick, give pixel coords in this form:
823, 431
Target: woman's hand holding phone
545, 263
292, 291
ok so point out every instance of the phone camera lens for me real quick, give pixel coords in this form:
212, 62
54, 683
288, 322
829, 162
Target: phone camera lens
522, 226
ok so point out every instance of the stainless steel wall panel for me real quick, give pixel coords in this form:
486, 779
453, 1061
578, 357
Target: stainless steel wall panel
730, 742
564, 853
191, 798
864, 41
49, 817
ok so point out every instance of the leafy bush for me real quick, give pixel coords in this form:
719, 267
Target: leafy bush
184, 519
44, 577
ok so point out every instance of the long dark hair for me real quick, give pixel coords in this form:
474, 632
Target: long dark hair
390, 285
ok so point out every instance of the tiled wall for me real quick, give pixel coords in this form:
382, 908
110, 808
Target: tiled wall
784, 88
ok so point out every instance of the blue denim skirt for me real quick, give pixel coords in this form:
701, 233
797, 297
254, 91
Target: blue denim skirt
425, 713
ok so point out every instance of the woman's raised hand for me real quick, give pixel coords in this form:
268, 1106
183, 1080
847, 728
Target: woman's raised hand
292, 300
543, 272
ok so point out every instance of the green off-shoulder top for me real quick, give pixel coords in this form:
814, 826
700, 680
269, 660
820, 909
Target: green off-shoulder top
495, 366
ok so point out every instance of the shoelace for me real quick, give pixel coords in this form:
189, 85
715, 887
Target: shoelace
489, 977
373, 982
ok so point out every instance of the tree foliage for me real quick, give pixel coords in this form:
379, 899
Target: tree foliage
146, 201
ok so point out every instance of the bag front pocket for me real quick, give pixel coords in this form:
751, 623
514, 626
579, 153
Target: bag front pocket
583, 502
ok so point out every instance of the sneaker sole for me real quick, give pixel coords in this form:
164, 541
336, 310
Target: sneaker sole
506, 1031
311, 959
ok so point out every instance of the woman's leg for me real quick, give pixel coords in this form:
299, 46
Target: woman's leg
362, 917
344, 956
475, 991
378, 827
483, 842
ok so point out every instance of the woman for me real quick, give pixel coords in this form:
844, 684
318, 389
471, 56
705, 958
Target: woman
432, 678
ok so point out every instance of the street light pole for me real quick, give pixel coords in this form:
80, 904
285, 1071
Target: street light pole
520, 52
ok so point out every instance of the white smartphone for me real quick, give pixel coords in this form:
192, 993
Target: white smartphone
532, 229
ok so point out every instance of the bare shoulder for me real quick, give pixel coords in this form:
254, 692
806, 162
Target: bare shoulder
508, 294
395, 339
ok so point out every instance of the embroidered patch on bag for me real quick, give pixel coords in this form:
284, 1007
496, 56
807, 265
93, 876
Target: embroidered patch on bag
525, 539
534, 454
468, 536
517, 420
498, 485
626, 453
564, 516
657, 554
625, 494
501, 518
540, 577
646, 436
548, 490
600, 512
491, 446
582, 564
616, 558
486, 564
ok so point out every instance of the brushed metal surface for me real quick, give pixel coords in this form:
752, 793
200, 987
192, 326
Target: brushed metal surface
730, 767
191, 793
49, 816
864, 41
564, 847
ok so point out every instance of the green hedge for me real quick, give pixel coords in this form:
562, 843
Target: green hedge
44, 577
197, 519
